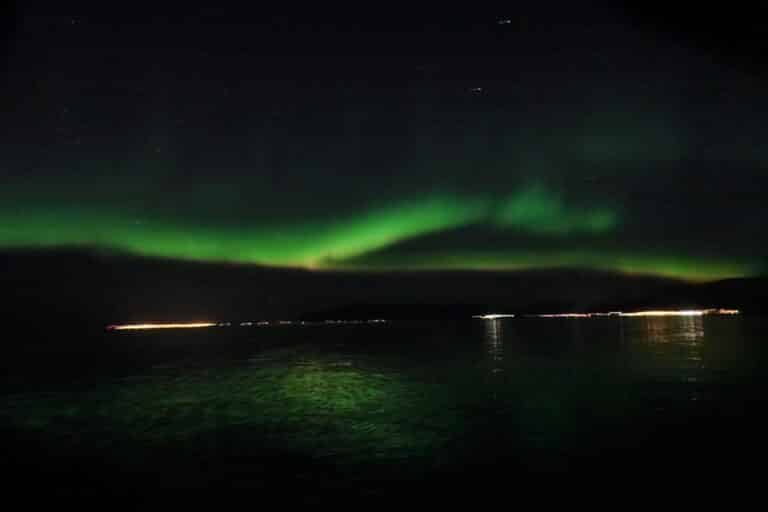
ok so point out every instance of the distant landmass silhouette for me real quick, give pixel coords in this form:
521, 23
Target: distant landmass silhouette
96, 288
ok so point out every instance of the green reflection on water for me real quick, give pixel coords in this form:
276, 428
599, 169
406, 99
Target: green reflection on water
319, 408
520, 397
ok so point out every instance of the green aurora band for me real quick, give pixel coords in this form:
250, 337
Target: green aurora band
639, 156
364, 241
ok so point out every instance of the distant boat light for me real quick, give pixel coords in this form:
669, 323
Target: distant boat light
493, 316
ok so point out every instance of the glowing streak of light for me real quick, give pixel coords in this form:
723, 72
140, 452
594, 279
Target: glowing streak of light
261, 323
687, 312
141, 327
649, 313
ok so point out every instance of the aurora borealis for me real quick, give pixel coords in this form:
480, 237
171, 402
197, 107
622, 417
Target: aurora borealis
317, 253
371, 240
427, 144
314, 244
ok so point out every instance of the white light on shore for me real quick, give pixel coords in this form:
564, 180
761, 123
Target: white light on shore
648, 313
684, 312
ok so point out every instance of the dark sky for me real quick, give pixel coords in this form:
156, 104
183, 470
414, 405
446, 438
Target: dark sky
389, 138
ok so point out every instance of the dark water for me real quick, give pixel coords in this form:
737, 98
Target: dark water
391, 410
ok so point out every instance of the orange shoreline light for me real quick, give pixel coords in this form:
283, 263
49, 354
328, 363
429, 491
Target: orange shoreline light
141, 327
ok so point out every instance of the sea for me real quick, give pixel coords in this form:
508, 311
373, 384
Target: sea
397, 411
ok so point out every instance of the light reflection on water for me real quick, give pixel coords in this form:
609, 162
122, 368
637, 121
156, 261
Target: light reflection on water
673, 329
403, 393
494, 343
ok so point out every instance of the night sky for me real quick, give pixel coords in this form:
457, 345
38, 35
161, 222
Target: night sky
538, 137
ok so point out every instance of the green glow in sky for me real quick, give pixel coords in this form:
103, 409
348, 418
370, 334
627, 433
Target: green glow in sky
536, 210
355, 240
646, 263
309, 244
632, 162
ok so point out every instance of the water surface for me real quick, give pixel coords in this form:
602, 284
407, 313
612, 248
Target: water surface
389, 409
